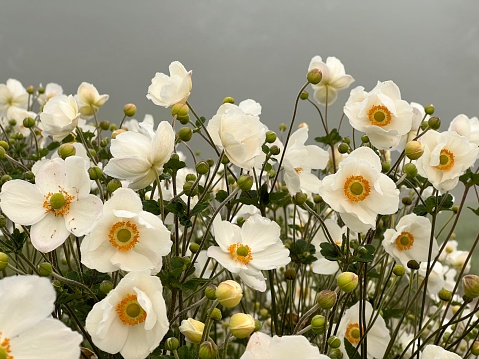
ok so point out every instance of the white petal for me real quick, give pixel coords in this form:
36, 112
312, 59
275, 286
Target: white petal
77, 176
83, 215
260, 233
124, 198
22, 202
51, 176
49, 233
162, 145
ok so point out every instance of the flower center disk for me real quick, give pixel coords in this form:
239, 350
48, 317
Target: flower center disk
356, 188
5, 349
379, 115
124, 235
446, 160
404, 241
130, 311
353, 334
58, 203
240, 253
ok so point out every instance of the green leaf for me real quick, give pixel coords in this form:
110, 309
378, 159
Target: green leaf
330, 251
174, 164
152, 207
476, 211
178, 206
221, 195
186, 352
200, 207
330, 139
302, 252
351, 350
470, 178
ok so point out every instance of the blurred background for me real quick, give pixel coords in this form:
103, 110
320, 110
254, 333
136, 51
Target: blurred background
255, 49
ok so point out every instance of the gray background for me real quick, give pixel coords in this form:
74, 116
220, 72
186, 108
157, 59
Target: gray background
245, 49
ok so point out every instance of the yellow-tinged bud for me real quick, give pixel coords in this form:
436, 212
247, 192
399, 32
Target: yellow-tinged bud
185, 134
410, 170
229, 100
445, 295
475, 348
113, 127
210, 292
314, 76
180, 110
318, 324
229, 293
241, 325
3, 261
194, 247
45, 269
192, 330
283, 127
216, 314
429, 109
172, 344
327, 299
66, 150
455, 209
399, 270
5, 178
2, 153
106, 286
334, 342
414, 150
245, 182
317, 199
304, 95
471, 285
117, 132
129, 109
4, 145
28, 122
347, 281
208, 350
434, 123
30, 90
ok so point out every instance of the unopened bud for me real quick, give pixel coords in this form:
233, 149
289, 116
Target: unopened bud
399, 270
45, 269
412, 264
229, 293
30, 90
300, 198
270, 137
318, 324
241, 325
210, 292
190, 189
343, 148
347, 281
414, 150
2, 153
208, 350
172, 344
334, 342
95, 173
429, 109
364, 139
274, 150
327, 299
185, 134
113, 185
202, 168
181, 112
407, 201
106, 286
475, 348
28, 122
336, 354
216, 314
194, 247
283, 127
410, 169
445, 295
115, 133
129, 110
314, 76
229, 100
4, 145
290, 274
434, 123
66, 150
192, 330
304, 95
245, 182
3, 261
471, 285
3, 221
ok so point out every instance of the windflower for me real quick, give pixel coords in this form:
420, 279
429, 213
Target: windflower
131, 319
168, 90
334, 79
126, 237
358, 191
12, 94
467, 127
27, 329
59, 117
51, 90
418, 115
436, 352
18, 114
59, 203
238, 131
89, 100
139, 157
248, 250
381, 114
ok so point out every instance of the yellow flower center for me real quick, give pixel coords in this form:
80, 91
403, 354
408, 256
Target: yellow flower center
446, 160
353, 334
404, 241
356, 188
58, 203
5, 348
240, 253
124, 235
379, 115
129, 311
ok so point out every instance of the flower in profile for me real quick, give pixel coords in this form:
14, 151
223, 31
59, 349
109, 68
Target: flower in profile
126, 237
334, 79
18, 114
446, 157
27, 329
323, 265
131, 319
436, 352
51, 90
262, 346
12, 94
358, 191
238, 131
168, 90
248, 250
89, 99
59, 117
381, 114
192, 330
377, 336
467, 127
410, 240
139, 157
298, 162
418, 115
59, 203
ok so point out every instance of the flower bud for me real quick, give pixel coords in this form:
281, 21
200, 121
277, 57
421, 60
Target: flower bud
410, 170
445, 295
190, 189
106, 286
192, 330
347, 281
274, 150
318, 324
4, 145
3, 221
185, 134
343, 148
407, 201
270, 137
105, 125
283, 127
475, 348
113, 185
317, 199
241, 325
66, 150
412, 264
41, 90
245, 182
172, 343
334, 342
113, 127
434, 123
45, 269
304, 95
216, 314
229, 293
30, 90
129, 110
229, 100
28, 122
191, 177
399, 270
202, 167
429, 109
414, 150
455, 209
303, 125
314, 76
2, 153
290, 274
194, 247
95, 173
3, 261
364, 139
208, 350
210, 292
327, 299
471, 285
335, 354
385, 166
257, 325
5, 178
300, 198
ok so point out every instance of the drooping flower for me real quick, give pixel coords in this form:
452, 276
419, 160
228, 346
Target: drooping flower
131, 319
168, 90
358, 191
349, 329
436, 352
334, 79
89, 99
446, 157
323, 265
59, 117
139, 157
238, 131
410, 240
467, 127
12, 94
248, 250
27, 329
59, 203
298, 162
381, 114
262, 346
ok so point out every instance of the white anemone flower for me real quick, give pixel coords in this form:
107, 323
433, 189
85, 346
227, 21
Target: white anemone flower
18, 114
436, 280
126, 237
139, 157
358, 191
248, 250
12, 94
410, 240
467, 127
51, 90
418, 115
238, 131
381, 114
59, 203
89, 99
446, 157
323, 265
169, 90
131, 319
298, 162
377, 336
27, 329
262, 346
334, 79
436, 352
59, 117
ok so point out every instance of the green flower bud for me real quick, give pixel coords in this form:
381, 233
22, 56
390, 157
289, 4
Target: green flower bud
270, 137
129, 110
407, 201
290, 274
216, 314
190, 189
41, 90
113, 185
318, 324
271, 173
3, 221
241, 325
314, 76
385, 166
414, 150
399, 270
434, 123
412, 264
45, 269
274, 150
429, 109
455, 209
364, 139
317, 199
5, 178
185, 134
28, 122
229, 100
245, 182
334, 342
335, 354
66, 150
194, 247
225, 160
2, 153
104, 142
210, 292
283, 127
17, 136
257, 325
12, 122
347, 281
475, 348
300, 198
113, 127
229, 293
210, 162
106, 286
327, 299
105, 125
410, 169
202, 168
3, 261
191, 177
343, 148
30, 90
95, 173
471, 285
445, 295
4, 145
304, 95
180, 110
208, 350
172, 344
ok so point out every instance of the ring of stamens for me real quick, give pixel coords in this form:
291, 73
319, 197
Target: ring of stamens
124, 235
379, 115
353, 334
130, 311
240, 252
446, 160
58, 203
404, 241
356, 188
